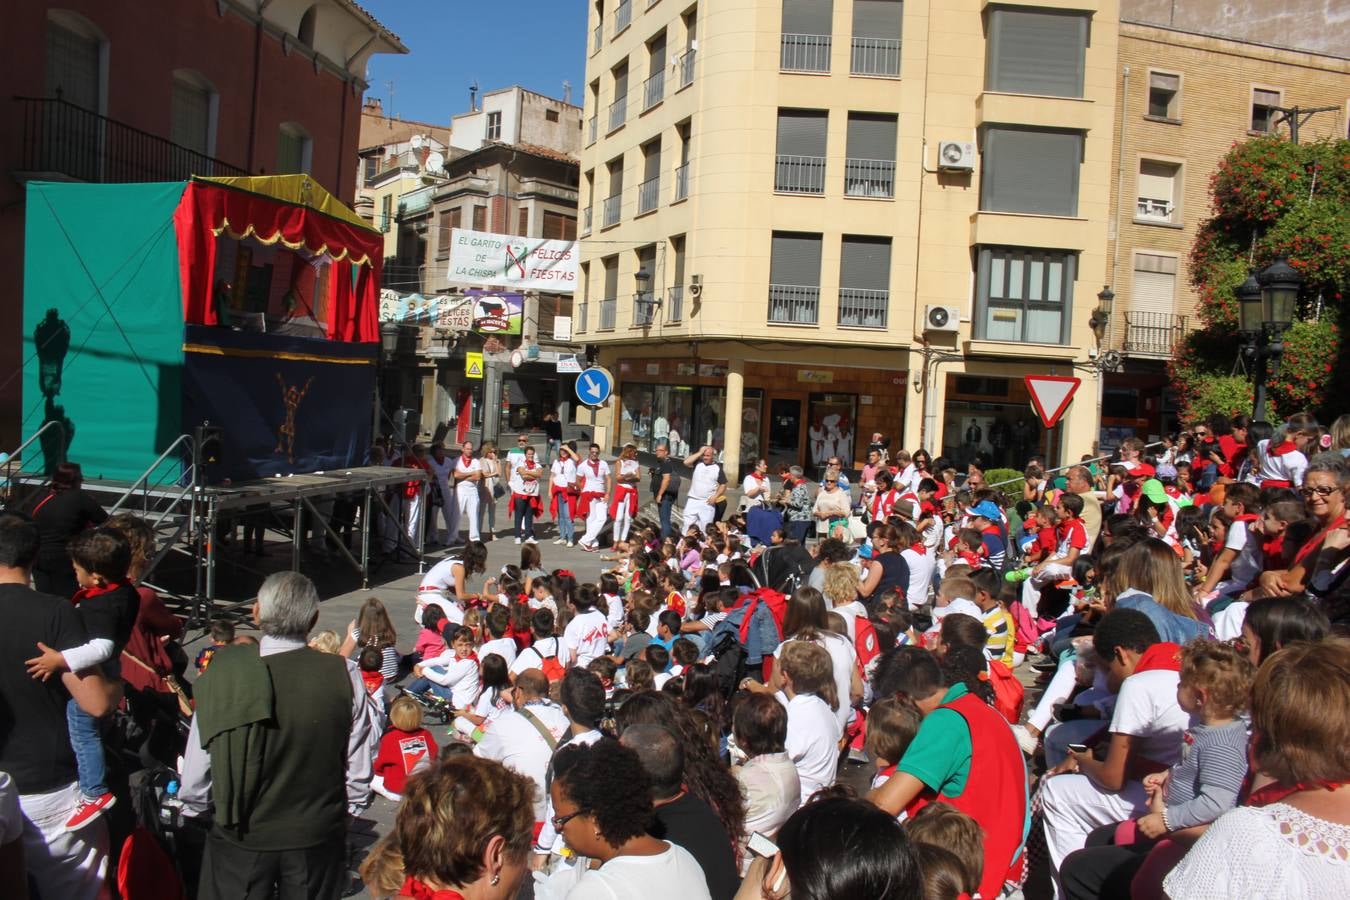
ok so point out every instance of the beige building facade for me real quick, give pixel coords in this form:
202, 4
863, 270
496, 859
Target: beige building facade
1183, 100
803, 222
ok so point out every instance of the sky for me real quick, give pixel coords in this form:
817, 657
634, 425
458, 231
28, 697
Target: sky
537, 44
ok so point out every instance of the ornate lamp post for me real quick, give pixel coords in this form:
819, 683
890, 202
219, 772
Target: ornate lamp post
1279, 287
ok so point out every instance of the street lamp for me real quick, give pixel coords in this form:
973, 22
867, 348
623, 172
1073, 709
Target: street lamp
645, 303
1101, 316
389, 339
1279, 286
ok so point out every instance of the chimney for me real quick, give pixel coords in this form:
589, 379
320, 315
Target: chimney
372, 105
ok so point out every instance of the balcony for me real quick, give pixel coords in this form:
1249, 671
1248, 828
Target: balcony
59, 138
611, 210
644, 309
687, 68
1152, 334
649, 195
799, 174
415, 202
869, 178
623, 16
594, 130
675, 303
860, 308
878, 57
597, 37
607, 310
805, 53
1150, 209
682, 183
618, 112
794, 304
654, 89
586, 220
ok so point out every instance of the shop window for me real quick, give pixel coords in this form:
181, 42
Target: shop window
993, 427
832, 428
656, 414
1024, 294
1039, 52
1030, 170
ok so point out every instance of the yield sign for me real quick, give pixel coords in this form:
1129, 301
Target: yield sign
1050, 395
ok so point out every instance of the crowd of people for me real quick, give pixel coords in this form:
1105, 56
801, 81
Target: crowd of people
820, 693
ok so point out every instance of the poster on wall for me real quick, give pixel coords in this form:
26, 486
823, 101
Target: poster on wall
831, 427
483, 257
495, 312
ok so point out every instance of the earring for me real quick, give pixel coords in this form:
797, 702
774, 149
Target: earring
496, 878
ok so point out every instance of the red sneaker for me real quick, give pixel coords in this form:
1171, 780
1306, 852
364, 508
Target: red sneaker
88, 810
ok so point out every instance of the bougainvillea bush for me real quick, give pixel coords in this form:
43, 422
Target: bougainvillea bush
1271, 198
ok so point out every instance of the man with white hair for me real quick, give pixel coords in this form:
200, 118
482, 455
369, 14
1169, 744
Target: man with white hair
279, 753
707, 486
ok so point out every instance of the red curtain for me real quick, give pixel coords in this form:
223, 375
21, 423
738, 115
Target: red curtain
206, 209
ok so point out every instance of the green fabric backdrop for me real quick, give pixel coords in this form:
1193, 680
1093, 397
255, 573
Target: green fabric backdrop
104, 256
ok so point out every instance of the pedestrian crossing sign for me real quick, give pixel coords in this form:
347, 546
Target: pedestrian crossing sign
473, 365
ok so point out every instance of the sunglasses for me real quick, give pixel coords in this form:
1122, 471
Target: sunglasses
1323, 491
832, 482
560, 821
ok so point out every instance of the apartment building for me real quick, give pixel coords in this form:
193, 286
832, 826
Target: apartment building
804, 221
397, 156
1185, 93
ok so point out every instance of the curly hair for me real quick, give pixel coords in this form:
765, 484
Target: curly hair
448, 816
706, 776
968, 666
607, 781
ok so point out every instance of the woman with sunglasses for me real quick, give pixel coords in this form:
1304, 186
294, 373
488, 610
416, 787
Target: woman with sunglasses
602, 807
1323, 490
832, 503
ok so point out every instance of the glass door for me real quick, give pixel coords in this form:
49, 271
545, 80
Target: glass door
785, 430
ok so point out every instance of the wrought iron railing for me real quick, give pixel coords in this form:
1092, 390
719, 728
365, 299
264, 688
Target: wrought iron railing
869, 177
654, 89
594, 130
682, 182
586, 220
675, 303
583, 310
876, 56
611, 211
57, 136
687, 68
1152, 333
618, 111
799, 174
1153, 209
794, 304
599, 37
607, 310
805, 53
649, 195
623, 16
859, 308
644, 308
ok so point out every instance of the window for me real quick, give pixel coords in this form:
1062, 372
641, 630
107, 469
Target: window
794, 278
610, 298
558, 227
682, 171
480, 218
801, 151
386, 211
1164, 95
807, 26
869, 170
1264, 102
294, 149
584, 306
190, 116
649, 191
644, 305
1151, 323
675, 293
1158, 192
618, 110
550, 115
614, 201
494, 126
654, 90
877, 28
864, 281
1032, 171
372, 168
523, 221
74, 64
1024, 295
450, 220
306, 30
1036, 52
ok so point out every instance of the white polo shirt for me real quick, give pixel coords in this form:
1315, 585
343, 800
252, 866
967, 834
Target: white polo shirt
812, 742
593, 475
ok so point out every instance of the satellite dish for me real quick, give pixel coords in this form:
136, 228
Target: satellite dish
416, 142
436, 161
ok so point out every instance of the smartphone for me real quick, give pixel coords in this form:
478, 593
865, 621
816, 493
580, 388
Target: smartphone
761, 846
1078, 748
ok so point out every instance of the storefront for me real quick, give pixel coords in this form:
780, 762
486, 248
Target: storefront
990, 419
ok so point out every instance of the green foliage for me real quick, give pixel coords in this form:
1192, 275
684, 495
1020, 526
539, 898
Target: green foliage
1307, 370
1226, 395
1012, 490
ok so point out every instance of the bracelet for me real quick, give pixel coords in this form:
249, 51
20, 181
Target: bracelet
1166, 824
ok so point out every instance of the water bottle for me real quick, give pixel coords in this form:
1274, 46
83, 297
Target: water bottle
171, 808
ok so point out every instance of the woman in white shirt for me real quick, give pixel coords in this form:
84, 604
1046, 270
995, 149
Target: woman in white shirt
623, 507
602, 807
813, 732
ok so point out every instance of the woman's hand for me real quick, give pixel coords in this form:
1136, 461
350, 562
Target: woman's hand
351, 629
1152, 825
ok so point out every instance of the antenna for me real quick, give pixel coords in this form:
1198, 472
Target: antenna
567, 92
389, 113
473, 96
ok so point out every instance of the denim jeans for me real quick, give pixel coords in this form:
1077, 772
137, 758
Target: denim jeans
663, 510
566, 530
799, 530
551, 449
524, 512
87, 743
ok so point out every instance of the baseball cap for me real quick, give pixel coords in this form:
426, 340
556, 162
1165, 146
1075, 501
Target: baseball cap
987, 509
1153, 490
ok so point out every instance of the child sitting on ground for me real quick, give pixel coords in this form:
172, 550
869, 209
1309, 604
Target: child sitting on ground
222, 633
107, 603
406, 748
369, 663
943, 825
495, 679
891, 726
954, 595
430, 642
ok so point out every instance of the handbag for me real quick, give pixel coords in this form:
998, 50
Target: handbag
170, 683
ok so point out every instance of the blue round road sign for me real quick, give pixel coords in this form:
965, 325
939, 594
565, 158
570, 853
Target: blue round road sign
594, 386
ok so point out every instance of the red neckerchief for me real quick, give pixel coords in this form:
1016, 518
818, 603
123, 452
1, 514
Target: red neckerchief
918, 548
1275, 791
1164, 656
757, 476
1281, 449
1273, 549
86, 592
595, 466
1317, 539
412, 887
992, 529
1246, 517
463, 458
372, 680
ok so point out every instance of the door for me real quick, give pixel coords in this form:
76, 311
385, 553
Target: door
785, 430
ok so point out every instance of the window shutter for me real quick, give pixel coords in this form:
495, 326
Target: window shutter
808, 16
1156, 180
191, 112
877, 19
865, 263
616, 178
795, 259
1265, 98
1164, 82
611, 278
1036, 53
480, 218
523, 222
72, 67
871, 136
647, 260
651, 160
657, 49
621, 82
677, 245
801, 132
1030, 171
1155, 284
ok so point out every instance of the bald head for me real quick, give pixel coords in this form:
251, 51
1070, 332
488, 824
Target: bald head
661, 754
531, 684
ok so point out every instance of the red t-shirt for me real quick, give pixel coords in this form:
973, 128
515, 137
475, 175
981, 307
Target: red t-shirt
400, 752
1072, 535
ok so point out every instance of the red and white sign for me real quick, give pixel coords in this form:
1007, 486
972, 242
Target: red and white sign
1051, 395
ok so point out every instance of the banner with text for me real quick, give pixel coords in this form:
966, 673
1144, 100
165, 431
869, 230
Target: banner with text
481, 257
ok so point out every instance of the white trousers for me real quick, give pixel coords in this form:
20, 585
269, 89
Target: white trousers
1031, 588
412, 515
623, 521
698, 512
1057, 691
70, 865
1073, 806
595, 523
467, 502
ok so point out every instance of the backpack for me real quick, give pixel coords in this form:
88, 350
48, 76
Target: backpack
728, 662
1008, 692
549, 665
756, 623
865, 641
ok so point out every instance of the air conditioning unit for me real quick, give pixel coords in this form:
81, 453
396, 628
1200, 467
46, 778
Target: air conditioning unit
942, 318
956, 156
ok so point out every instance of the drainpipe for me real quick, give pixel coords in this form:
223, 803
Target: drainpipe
257, 84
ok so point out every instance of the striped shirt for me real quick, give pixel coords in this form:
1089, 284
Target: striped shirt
1205, 784
999, 624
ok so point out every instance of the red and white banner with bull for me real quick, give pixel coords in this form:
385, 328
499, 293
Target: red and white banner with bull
496, 312
514, 263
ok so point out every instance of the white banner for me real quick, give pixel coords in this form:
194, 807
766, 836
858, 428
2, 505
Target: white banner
501, 260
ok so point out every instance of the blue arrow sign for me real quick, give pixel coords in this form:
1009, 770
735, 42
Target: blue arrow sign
594, 386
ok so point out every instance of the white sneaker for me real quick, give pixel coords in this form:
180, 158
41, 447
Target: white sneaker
530, 540
517, 540
571, 543
1025, 739
560, 541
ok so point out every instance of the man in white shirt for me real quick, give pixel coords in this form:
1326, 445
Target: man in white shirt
468, 481
524, 738
516, 455
596, 481
812, 742
707, 486
525, 502
440, 466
